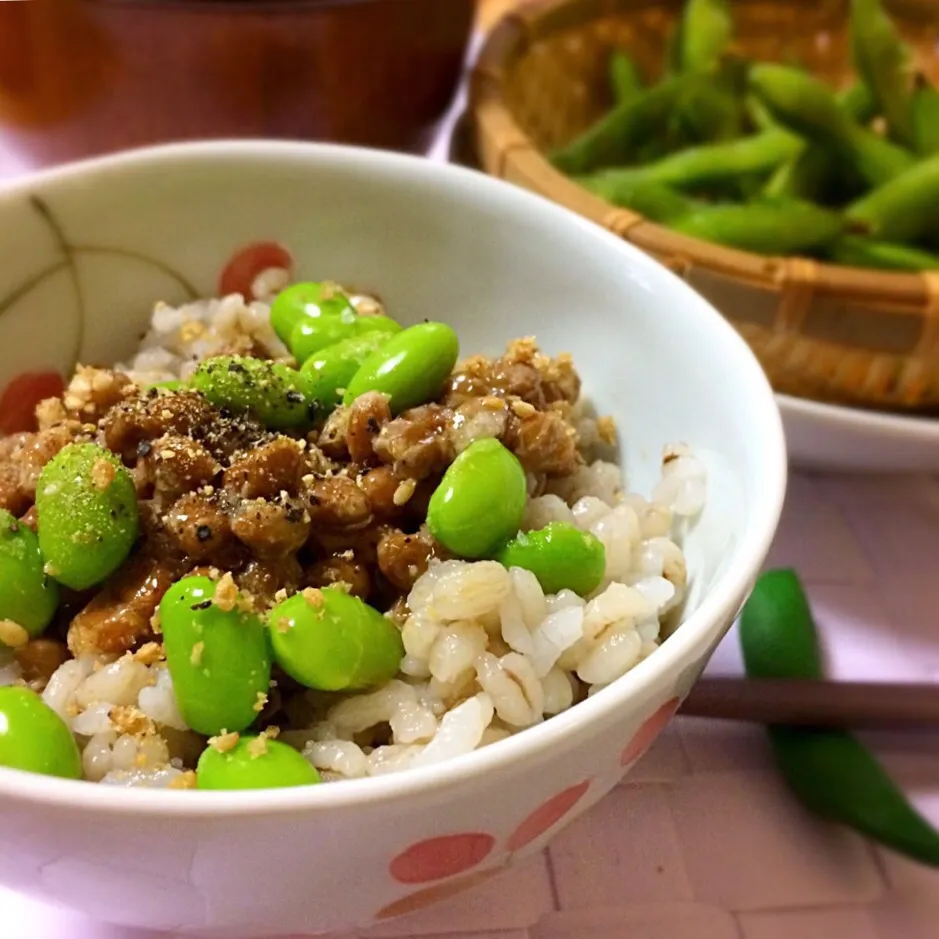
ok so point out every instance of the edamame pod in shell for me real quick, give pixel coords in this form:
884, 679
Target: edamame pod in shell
903, 209
480, 501
86, 505
28, 595
410, 368
218, 655
772, 228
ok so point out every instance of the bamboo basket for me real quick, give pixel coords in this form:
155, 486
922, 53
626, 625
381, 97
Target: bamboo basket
839, 334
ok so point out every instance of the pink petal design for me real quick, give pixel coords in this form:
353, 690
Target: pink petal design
437, 858
22, 394
246, 263
546, 816
651, 728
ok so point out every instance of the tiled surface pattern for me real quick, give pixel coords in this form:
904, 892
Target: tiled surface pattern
702, 841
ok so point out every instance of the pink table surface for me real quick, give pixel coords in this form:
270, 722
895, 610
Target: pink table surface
701, 841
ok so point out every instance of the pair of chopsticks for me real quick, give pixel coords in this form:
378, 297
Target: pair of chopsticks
832, 704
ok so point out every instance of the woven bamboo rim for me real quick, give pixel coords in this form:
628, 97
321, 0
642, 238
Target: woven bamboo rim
861, 337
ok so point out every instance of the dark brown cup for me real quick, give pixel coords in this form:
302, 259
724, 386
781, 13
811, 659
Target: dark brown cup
84, 77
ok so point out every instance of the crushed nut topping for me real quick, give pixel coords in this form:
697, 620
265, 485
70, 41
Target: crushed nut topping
224, 741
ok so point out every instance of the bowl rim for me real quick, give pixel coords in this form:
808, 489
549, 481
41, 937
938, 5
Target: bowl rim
721, 601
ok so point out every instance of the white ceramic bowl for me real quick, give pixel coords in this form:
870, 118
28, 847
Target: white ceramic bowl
496, 262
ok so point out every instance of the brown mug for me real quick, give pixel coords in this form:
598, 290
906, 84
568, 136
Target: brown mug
84, 77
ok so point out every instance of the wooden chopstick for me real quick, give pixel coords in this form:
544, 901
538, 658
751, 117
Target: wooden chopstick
833, 704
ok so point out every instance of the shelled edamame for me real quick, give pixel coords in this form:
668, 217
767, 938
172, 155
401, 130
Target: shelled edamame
855, 153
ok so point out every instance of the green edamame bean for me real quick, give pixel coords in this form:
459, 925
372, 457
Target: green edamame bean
882, 60
655, 201
560, 555
902, 210
278, 396
332, 368
34, 738
706, 30
711, 164
866, 252
306, 301
809, 108
773, 228
311, 335
218, 657
480, 501
410, 368
829, 771
87, 510
625, 81
858, 103
28, 595
925, 118
254, 763
332, 641
615, 138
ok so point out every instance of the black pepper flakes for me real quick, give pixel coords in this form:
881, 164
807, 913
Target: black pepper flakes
204, 533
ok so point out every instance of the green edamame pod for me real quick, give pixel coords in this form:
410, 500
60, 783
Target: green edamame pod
672, 66
773, 228
758, 114
925, 118
332, 368
830, 772
278, 396
305, 302
777, 632
33, 738
903, 209
87, 510
883, 60
809, 108
28, 595
614, 139
654, 201
410, 368
866, 252
480, 501
802, 177
332, 641
712, 108
625, 80
218, 656
711, 164
254, 763
838, 779
858, 103
560, 555
706, 30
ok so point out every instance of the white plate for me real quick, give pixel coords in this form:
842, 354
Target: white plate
828, 437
